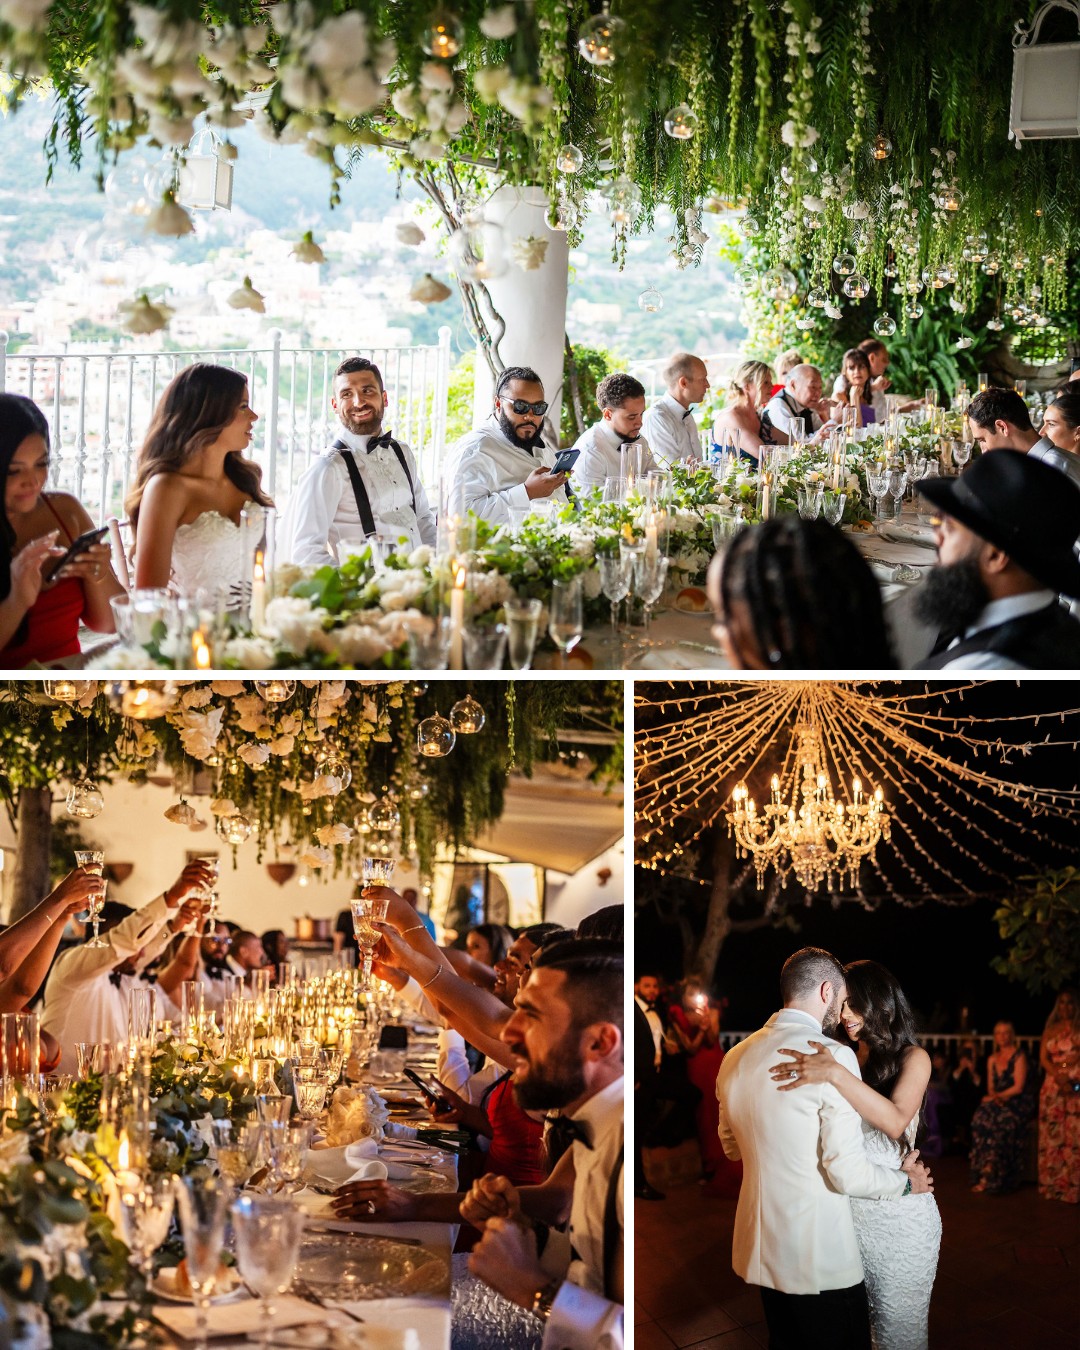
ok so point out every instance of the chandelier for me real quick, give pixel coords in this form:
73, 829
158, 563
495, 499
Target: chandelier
803, 829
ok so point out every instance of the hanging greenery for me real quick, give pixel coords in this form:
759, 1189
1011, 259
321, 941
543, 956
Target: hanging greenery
318, 777
875, 131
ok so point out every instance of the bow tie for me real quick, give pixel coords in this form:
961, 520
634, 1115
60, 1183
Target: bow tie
562, 1131
632, 441
386, 440
115, 979
686, 414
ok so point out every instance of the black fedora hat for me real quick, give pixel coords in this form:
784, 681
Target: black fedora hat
1020, 505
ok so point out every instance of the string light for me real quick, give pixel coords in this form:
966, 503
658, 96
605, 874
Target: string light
944, 772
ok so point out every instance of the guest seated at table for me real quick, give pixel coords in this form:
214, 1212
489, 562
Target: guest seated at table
1000, 1127
502, 466
999, 421
275, 947
41, 603
86, 994
878, 356
1061, 427
749, 390
799, 405
27, 947
852, 388
247, 953
791, 594
610, 448
669, 424
1005, 553
784, 364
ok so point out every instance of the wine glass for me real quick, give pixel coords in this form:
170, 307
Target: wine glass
204, 1210
616, 576
310, 1095
146, 1212
237, 1151
92, 861
877, 480
832, 506
485, 646
961, 452
268, 1232
809, 499
522, 622
288, 1143
566, 620
651, 583
370, 909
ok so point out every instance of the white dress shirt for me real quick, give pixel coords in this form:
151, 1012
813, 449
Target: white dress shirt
322, 511
996, 612
602, 456
582, 1316
672, 431
782, 408
82, 1003
486, 475
803, 1155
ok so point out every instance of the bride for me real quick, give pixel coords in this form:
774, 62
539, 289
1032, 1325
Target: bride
898, 1239
192, 482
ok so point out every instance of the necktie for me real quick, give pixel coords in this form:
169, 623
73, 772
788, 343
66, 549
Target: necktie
562, 1131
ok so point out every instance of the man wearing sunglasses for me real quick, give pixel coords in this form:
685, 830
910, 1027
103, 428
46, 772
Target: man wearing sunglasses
498, 469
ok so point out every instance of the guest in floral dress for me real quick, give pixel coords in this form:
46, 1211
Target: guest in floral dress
999, 1128
1059, 1102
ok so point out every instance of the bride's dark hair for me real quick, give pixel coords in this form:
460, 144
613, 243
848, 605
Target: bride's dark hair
888, 1022
192, 413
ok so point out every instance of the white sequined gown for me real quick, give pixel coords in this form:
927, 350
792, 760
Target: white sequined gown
898, 1242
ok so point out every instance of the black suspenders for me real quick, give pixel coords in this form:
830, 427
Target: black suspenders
360, 492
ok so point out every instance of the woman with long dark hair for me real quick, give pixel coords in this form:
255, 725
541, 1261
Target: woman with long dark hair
40, 610
192, 483
854, 386
898, 1239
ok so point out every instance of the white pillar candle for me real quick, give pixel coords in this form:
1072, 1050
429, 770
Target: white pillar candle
258, 595
457, 620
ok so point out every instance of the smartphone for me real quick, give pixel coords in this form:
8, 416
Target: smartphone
439, 1104
564, 461
84, 541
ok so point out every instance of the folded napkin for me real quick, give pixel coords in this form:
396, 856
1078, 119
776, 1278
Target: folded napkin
352, 1162
234, 1319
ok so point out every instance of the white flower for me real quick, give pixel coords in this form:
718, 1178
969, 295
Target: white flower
330, 835
306, 250
339, 43
408, 232
247, 297
199, 732
357, 93
25, 16
183, 813
406, 103
222, 806
428, 291
315, 857
420, 557
360, 645
833, 311
167, 130
426, 148
499, 23
254, 755
525, 100
283, 746
300, 87
297, 624
142, 316
962, 343
528, 252
813, 203
435, 75
169, 218
248, 653
198, 696
14, 1149
489, 80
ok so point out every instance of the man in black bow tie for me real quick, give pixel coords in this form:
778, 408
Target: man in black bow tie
614, 447
366, 485
669, 424
566, 1042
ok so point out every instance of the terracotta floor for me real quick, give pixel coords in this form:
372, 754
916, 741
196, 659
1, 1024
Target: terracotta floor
1008, 1278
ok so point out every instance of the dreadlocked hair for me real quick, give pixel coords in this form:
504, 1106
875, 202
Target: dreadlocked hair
813, 601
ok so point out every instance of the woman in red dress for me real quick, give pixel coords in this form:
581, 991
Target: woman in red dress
695, 1022
40, 613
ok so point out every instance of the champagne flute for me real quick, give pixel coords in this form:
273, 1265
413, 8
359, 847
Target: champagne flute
369, 909
566, 621
92, 861
522, 621
268, 1233
204, 1210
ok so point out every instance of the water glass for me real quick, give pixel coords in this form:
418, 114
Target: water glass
485, 646
809, 499
268, 1232
429, 648
522, 626
616, 578
310, 1097
273, 1108
961, 452
566, 618
614, 489
146, 1212
832, 506
203, 1202
651, 584
142, 1015
930, 397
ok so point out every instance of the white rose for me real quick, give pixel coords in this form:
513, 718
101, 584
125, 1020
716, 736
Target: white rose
315, 857
434, 75
499, 23
329, 835
254, 755
489, 80
248, 653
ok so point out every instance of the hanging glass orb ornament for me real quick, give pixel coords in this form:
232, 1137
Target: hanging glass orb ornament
650, 300
467, 716
361, 822
805, 322
884, 325
976, 248
478, 250
890, 269
995, 325
750, 226
779, 283
384, 816
275, 691
1020, 261
817, 297
856, 209
143, 701
84, 799
565, 217
856, 286
435, 737
680, 122
880, 147
844, 264
234, 829
913, 309
913, 286
599, 39
330, 764
443, 34
992, 266
950, 199
68, 691
944, 276
624, 201
419, 790
746, 278
569, 159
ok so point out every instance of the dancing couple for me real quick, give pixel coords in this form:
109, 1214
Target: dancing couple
836, 1221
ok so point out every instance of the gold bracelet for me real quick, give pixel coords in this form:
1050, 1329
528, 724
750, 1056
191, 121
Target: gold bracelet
414, 929
434, 977
543, 1299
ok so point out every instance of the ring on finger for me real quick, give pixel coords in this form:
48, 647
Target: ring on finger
371, 1206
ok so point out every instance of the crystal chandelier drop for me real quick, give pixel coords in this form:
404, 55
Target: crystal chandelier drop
803, 829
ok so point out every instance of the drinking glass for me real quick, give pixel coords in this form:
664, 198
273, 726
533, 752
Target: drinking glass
616, 578
142, 1015
832, 506
146, 1212
877, 481
268, 1232
368, 910
809, 499
566, 620
92, 861
237, 1150
930, 397
204, 1210
485, 646
651, 585
310, 1097
522, 624
614, 489
20, 1051
961, 452
88, 1057
273, 1108
1021, 387
895, 489
429, 649
288, 1143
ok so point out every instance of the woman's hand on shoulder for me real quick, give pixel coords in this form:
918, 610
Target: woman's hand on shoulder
802, 1068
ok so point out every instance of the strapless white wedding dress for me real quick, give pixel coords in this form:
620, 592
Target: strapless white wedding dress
208, 556
899, 1242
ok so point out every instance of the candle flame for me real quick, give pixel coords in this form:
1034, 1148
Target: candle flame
123, 1154
260, 569
200, 650
459, 578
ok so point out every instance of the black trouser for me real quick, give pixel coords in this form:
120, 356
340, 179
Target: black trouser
835, 1319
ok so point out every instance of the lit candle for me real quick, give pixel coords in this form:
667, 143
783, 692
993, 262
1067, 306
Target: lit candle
651, 546
766, 495
200, 650
258, 595
457, 619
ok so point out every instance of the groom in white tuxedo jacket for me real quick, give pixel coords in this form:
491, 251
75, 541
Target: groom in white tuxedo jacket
802, 1155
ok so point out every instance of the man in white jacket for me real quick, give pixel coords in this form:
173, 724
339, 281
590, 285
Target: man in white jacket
802, 1155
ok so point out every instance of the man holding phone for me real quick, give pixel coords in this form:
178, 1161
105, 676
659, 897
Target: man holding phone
498, 469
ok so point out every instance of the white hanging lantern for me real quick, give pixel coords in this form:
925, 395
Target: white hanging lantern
1045, 101
205, 181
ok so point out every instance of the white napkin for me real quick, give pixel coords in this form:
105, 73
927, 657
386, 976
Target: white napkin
350, 1162
235, 1319
883, 571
